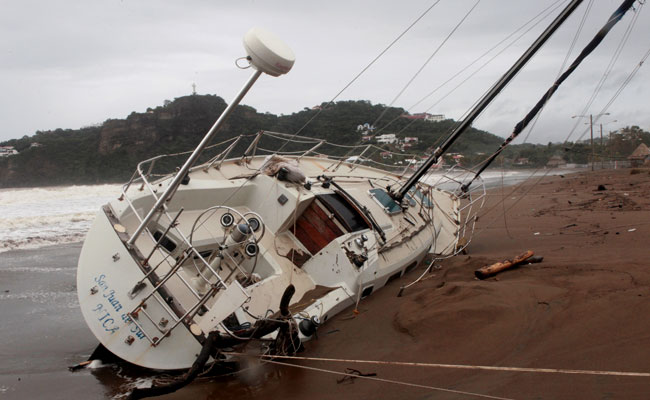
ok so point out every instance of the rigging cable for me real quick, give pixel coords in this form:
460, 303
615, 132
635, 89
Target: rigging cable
615, 17
549, 11
363, 70
417, 73
564, 63
479, 69
372, 378
606, 73
623, 85
548, 171
426, 62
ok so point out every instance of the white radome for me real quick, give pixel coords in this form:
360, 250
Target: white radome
268, 53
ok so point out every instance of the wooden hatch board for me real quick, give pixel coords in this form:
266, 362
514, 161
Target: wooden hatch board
316, 227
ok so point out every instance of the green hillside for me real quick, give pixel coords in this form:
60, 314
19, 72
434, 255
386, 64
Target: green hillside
110, 152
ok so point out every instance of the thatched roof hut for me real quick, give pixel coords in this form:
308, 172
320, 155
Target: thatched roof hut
556, 161
639, 155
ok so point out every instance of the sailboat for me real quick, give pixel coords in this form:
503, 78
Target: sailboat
214, 247
264, 246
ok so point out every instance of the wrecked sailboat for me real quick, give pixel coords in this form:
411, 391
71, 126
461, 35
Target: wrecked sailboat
267, 245
256, 246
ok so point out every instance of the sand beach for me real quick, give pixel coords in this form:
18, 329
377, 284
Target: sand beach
583, 307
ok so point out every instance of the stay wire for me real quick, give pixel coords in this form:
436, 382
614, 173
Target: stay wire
618, 92
586, 51
548, 171
564, 63
606, 73
372, 378
548, 12
419, 71
362, 71
601, 83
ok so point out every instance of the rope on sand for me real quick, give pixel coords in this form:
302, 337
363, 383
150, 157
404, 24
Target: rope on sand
384, 380
472, 367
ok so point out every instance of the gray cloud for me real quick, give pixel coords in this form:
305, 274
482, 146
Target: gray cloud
71, 63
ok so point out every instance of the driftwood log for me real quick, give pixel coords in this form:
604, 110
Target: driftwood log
490, 270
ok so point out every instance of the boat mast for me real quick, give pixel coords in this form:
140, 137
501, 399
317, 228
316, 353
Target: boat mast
486, 100
521, 125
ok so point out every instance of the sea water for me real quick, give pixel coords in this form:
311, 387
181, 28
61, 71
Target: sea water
36, 217
453, 178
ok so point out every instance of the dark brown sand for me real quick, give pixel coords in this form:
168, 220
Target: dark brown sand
586, 306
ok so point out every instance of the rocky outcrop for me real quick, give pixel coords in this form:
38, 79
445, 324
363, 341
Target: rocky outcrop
137, 130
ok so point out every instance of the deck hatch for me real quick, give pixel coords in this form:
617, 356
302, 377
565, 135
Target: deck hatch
348, 216
385, 201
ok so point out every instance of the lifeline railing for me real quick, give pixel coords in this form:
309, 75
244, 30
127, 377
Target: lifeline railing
162, 326
146, 178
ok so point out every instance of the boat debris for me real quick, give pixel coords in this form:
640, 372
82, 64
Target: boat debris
493, 269
349, 378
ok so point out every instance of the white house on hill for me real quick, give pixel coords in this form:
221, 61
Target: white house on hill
387, 138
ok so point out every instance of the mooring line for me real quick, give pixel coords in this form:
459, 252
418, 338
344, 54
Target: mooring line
372, 378
462, 366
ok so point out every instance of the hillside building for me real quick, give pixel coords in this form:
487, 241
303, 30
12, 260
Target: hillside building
425, 116
388, 138
6, 151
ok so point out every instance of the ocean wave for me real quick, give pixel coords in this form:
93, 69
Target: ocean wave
36, 217
43, 297
29, 222
23, 196
38, 269
37, 242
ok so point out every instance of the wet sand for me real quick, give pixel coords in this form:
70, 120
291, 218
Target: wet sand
584, 307
41, 329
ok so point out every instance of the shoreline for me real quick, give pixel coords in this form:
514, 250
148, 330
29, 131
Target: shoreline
581, 308
36, 221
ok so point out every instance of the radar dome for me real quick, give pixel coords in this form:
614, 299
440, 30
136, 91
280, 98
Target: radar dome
267, 52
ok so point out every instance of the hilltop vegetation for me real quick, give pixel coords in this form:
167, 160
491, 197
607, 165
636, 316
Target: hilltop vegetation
616, 146
110, 152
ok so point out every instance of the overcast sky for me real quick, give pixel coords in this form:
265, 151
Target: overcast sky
74, 63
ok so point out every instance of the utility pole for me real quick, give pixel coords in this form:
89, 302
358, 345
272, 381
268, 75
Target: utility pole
602, 162
591, 128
